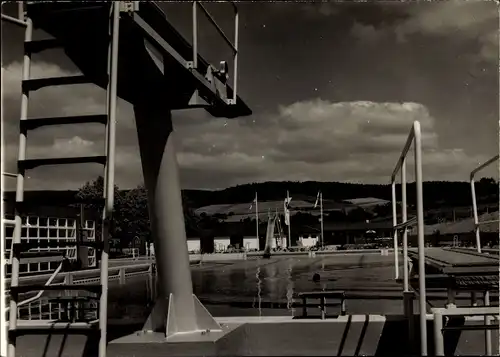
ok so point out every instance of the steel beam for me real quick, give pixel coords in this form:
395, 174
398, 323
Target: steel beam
177, 311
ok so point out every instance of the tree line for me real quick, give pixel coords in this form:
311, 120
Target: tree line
131, 216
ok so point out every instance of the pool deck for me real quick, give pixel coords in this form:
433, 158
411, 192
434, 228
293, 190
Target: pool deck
369, 335
374, 324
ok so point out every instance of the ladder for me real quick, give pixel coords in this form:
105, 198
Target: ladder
28, 124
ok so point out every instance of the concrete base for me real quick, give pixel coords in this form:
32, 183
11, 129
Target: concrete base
259, 336
162, 323
372, 335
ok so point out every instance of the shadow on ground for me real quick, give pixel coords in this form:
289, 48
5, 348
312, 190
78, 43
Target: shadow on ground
358, 338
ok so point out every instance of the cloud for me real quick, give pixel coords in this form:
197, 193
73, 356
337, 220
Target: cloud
456, 21
320, 140
309, 140
66, 140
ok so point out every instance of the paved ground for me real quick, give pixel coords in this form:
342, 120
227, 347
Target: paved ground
258, 287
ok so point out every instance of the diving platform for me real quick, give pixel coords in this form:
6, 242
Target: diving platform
458, 262
132, 51
145, 35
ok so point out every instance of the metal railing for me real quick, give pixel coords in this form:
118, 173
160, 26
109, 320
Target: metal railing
89, 276
477, 232
41, 304
40, 293
474, 201
3, 262
415, 137
3, 332
440, 313
233, 46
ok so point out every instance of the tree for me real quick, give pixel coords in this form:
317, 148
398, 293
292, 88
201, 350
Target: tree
383, 210
90, 196
132, 215
358, 215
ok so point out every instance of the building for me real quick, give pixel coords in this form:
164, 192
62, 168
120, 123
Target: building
309, 240
367, 202
221, 244
45, 233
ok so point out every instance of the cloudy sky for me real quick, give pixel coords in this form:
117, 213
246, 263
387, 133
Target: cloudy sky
334, 89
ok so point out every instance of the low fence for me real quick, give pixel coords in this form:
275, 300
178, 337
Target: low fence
88, 276
46, 307
324, 252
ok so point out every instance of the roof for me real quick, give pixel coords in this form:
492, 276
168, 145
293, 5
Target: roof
465, 225
367, 201
358, 226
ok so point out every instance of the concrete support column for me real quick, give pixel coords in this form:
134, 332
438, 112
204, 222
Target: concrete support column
161, 178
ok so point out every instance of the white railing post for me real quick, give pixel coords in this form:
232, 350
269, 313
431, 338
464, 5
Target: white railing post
195, 34
121, 274
416, 138
395, 233
477, 224
405, 231
474, 200
438, 334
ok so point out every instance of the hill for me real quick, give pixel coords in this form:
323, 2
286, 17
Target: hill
437, 194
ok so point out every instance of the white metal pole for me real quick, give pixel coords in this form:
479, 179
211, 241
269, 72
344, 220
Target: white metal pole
438, 334
235, 61
321, 213
475, 215
404, 214
3, 308
487, 333
195, 34
20, 10
19, 191
289, 220
257, 217
421, 240
110, 177
395, 233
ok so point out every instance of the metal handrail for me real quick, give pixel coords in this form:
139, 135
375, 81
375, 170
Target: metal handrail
233, 46
40, 293
78, 273
474, 200
217, 27
415, 136
439, 313
477, 232
14, 20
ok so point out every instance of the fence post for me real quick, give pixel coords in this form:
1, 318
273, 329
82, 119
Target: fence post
408, 301
121, 274
438, 334
68, 279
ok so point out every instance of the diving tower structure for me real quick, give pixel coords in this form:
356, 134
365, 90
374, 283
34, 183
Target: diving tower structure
131, 50
109, 42
272, 241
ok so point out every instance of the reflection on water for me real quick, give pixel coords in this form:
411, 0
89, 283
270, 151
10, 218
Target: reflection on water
289, 289
259, 291
261, 284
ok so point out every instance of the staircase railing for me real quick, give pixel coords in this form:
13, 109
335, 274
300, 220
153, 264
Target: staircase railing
40, 293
